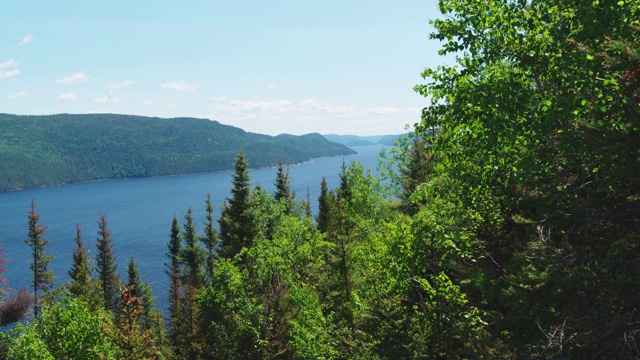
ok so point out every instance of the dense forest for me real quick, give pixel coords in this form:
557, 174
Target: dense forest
56, 149
507, 226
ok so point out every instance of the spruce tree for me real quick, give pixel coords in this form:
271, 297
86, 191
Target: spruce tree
42, 275
210, 238
325, 201
307, 205
142, 291
173, 270
82, 284
106, 266
414, 171
283, 188
192, 253
235, 222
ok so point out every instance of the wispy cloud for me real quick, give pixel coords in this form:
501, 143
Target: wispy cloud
238, 106
321, 108
8, 74
18, 95
146, 103
180, 86
381, 110
220, 98
7, 64
273, 86
75, 78
107, 100
26, 39
67, 97
120, 85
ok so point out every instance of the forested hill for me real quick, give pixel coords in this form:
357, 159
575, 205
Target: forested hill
55, 149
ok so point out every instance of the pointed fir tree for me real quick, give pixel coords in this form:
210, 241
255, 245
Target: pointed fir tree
106, 266
193, 255
210, 239
174, 251
142, 291
414, 171
344, 191
133, 339
42, 275
325, 200
235, 223
283, 188
81, 285
307, 205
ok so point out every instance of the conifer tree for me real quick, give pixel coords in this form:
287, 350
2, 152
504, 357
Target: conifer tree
210, 238
324, 204
235, 222
42, 275
173, 270
192, 253
80, 273
142, 291
133, 339
414, 172
106, 266
283, 188
307, 204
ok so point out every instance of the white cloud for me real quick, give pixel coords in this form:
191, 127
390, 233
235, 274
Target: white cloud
8, 74
120, 85
75, 78
26, 39
383, 110
323, 108
9, 63
67, 97
240, 106
107, 99
180, 86
146, 103
18, 95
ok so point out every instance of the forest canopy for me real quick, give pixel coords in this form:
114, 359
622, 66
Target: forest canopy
64, 148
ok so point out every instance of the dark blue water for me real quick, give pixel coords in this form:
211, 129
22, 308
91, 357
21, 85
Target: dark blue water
139, 212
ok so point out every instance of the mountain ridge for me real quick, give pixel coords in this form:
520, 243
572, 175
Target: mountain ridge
44, 150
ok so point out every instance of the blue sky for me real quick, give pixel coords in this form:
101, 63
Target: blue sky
345, 67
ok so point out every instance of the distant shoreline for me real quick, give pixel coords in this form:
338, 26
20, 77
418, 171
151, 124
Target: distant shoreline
161, 176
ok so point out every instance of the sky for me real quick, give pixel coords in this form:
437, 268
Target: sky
271, 67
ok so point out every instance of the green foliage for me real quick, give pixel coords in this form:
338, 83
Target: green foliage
325, 200
534, 168
283, 188
106, 266
192, 253
42, 275
64, 148
67, 329
81, 283
231, 320
210, 239
236, 231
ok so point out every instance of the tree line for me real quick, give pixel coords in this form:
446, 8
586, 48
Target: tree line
506, 226
67, 148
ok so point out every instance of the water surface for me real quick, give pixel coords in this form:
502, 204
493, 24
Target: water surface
139, 212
